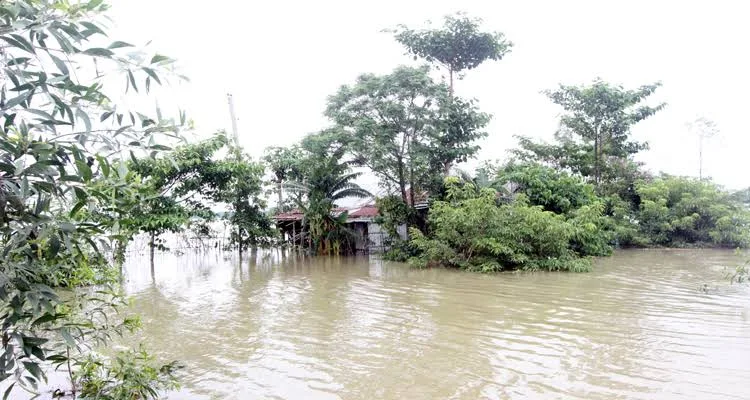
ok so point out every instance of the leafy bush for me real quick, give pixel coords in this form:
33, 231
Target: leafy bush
471, 231
129, 375
555, 191
679, 211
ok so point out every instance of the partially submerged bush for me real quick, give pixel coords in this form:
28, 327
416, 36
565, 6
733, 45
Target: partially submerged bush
678, 211
471, 231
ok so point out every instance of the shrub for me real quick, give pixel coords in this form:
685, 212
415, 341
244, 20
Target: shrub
471, 231
679, 211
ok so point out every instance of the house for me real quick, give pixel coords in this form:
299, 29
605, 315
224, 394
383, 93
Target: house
369, 237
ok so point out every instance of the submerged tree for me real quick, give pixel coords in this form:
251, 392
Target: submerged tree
242, 193
63, 183
458, 46
181, 183
676, 211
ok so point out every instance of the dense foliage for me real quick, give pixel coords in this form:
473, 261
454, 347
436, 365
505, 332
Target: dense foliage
242, 192
474, 231
284, 165
406, 128
459, 45
677, 211
325, 177
63, 185
178, 183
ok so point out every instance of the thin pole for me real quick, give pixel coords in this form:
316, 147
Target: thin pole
700, 157
235, 135
230, 100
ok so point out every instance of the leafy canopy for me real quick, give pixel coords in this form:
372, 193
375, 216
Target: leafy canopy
600, 115
326, 177
63, 183
457, 46
405, 127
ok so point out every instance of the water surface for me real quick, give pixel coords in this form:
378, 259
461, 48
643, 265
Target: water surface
656, 324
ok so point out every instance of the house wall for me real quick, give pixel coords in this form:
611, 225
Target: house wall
376, 236
360, 240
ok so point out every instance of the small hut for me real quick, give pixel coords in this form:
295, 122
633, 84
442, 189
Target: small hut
368, 235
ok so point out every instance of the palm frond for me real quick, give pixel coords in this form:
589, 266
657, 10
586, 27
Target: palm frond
356, 192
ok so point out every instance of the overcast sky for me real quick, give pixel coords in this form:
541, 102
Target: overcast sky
280, 60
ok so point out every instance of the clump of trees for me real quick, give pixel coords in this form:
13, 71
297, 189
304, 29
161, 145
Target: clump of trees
679, 211
79, 172
554, 205
551, 206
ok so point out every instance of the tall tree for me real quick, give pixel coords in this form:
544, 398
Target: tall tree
601, 115
283, 162
405, 127
457, 46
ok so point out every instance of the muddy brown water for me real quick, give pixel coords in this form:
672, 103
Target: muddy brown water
653, 324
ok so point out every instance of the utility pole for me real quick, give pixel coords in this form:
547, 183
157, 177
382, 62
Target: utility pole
705, 129
235, 135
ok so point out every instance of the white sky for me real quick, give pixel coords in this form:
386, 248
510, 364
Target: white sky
281, 59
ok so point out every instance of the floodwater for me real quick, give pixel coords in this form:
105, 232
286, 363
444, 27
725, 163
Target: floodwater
655, 324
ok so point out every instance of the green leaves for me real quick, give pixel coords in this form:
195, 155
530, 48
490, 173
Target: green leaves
677, 211
459, 45
406, 128
19, 42
118, 44
160, 59
99, 52
602, 115
472, 231
60, 198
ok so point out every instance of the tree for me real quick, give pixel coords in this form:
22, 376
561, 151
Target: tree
704, 128
283, 164
403, 125
242, 193
601, 115
181, 182
326, 178
60, 177
458, 46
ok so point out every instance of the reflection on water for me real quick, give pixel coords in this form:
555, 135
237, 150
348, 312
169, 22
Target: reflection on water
283, 327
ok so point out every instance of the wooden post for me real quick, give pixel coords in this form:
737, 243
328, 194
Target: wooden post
294, 234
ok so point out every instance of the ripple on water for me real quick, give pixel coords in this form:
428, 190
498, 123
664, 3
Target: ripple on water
638, 327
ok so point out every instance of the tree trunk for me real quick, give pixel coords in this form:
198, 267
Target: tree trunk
152, 245
402, 182
450, 88
597, 155
281, 196
239, 243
